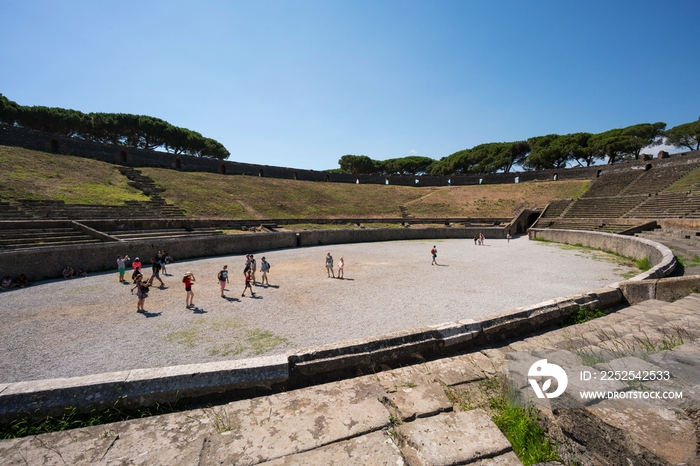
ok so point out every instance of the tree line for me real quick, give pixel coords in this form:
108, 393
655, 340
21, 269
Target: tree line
537, 153
139, 131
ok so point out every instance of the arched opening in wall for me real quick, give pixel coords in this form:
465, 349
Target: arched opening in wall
517, 179
296, 176
417, 181
261, 173
222, 169
328, 178
555, 177
178, 163
386, 180
647, 167
122, 156
55, 146
598, 173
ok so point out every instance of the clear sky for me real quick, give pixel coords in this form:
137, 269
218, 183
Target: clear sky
300, 83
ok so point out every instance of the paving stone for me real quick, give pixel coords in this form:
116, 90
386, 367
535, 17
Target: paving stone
629, 363
375, 449
509, 459
421, 401
682, 364
287, 423
454, 371
461, 437
484, 364
172, 433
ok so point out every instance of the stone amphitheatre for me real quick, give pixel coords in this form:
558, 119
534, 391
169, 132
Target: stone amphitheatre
394, 364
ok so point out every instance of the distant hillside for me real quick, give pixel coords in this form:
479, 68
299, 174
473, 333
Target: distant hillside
38, 175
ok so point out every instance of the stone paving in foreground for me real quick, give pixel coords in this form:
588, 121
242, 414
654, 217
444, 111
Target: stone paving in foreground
405, 416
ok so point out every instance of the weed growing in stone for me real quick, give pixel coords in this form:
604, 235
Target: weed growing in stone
583, 315
520, 426
24, 426
219, 419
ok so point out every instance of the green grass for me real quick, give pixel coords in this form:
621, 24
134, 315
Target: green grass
26, 174
25, 425
583, 315
643, 264
687, 182
520, 426
225, 337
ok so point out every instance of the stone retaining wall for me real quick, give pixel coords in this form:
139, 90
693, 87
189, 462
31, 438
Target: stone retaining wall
48, 262
143, 387
662, 259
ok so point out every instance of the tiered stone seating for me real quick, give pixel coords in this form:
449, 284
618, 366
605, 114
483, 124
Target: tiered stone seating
33, 238
10, 211
131, 209
667, 205
606, 207
556, 208
657, 179
685, 242
135, 235
611, 183
583, 224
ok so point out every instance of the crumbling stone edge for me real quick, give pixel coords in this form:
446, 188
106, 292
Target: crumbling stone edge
146, 387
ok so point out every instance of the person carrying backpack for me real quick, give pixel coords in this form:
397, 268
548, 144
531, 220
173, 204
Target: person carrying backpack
434, 253
223, 279
264, 268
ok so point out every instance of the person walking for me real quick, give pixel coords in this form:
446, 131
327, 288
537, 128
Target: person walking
188, 279
122, 267
155, 268
341, 266
253, 268
329, 265
247, 285
223, 279
264, 268
136, 264
508, 237
434, 253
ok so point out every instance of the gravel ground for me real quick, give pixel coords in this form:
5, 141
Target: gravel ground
67, 328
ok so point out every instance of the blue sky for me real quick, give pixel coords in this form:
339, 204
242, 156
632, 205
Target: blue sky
301, 83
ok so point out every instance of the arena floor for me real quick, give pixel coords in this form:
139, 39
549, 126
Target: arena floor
67, 328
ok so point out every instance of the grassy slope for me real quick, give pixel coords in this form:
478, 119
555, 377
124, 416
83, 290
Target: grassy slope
213, 195
687, 182
39, 175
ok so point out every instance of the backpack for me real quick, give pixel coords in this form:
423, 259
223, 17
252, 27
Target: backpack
432, 251
220, 276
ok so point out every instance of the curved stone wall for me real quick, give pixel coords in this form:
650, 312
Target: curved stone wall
144, 387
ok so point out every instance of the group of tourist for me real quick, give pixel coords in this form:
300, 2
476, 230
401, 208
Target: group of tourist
479, 239
8, 283
70, 272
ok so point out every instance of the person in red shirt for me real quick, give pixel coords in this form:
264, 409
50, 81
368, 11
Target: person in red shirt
188, 279
247, 285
